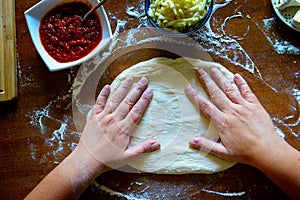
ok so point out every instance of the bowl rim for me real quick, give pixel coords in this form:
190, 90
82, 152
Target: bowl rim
35, 13
286, 15
169, 31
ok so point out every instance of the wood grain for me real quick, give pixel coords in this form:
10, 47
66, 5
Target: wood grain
44, 97
8, 55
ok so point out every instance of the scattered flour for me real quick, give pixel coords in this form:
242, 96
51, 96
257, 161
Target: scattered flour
56, 132
280, 46
26, 80
225, 194
238, 15
221, 45
133, 12
57, 139
135, 197
278, 130
119, 194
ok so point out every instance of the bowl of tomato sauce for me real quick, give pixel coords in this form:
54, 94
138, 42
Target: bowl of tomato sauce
61, 37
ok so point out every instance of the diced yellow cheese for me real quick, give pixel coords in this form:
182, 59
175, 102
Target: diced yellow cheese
178, 15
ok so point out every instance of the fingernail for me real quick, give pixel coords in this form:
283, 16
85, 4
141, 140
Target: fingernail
143, 80
238, 77
214, 70
149, 91
194, 143
129, 79
155, 146
106, 88
188, 88
201, 71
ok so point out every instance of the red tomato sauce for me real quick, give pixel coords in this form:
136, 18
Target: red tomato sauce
65, 36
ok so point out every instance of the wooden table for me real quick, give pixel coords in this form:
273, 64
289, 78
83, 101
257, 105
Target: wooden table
245, 36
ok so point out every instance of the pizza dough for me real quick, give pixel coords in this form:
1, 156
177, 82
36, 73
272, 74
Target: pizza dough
172, 119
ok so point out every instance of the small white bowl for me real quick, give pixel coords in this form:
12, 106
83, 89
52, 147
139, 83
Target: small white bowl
37, 12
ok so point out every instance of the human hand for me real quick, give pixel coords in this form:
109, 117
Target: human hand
104, 143
247, 134
107, 133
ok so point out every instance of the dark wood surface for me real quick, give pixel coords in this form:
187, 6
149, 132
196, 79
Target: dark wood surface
28, 125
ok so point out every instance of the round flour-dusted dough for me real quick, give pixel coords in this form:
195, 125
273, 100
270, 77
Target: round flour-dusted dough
172, 118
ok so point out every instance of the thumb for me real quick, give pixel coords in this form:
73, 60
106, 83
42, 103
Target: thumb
141, 149
209, 146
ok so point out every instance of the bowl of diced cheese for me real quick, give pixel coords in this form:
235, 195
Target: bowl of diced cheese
178, 16
289, 12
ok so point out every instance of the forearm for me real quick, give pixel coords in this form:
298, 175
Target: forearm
69, 179
283, 168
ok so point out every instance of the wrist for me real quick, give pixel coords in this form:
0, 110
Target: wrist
83, 160
80, 169
270, 154
282, 167
70, 178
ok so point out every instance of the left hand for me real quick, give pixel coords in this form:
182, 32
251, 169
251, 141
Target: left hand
104, 143
107, 133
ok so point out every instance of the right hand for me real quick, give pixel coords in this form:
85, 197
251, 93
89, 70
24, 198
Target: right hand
247, 134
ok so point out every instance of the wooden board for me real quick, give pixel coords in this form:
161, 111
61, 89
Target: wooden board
8, 57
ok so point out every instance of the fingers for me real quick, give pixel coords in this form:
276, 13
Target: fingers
131, 99
208, 146
234, 95
140, 149
222, 92
129, 109
208, 109
226, 86
119, 95
217, 95
136, 113
102, 99
245, 90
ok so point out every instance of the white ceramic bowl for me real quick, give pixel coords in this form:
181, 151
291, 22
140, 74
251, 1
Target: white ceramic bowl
286, 15
36, 13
